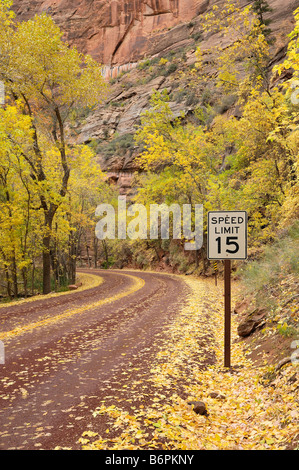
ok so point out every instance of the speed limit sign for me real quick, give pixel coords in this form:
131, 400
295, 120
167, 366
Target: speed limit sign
227, 235
227, 240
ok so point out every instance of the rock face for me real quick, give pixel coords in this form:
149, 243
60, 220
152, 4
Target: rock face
253, 320
114, 31
115, 122
120, 33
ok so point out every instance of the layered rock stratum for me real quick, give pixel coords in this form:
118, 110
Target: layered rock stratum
114, 31
120, 34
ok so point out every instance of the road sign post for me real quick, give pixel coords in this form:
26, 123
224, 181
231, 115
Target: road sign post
216, 271
227, 313
227, 240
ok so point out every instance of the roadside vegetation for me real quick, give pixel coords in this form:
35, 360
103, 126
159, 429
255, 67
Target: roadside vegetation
237, 149
277, 269
250, 407
48, 186
270, 293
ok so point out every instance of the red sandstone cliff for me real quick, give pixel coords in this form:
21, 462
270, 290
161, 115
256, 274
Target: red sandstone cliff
119, 33
114, 31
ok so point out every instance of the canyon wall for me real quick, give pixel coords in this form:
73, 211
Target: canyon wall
114, 32
118, 34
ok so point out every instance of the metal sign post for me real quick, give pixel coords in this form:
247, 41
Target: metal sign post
227, 313
216, 271
227, 240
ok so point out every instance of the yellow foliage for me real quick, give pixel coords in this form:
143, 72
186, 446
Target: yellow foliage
244, 414
46, 81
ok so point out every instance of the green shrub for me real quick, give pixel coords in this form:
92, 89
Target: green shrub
196, 36
265, 279
143, 65
171, 69
118, 145
226, 103
287, 331
192, 99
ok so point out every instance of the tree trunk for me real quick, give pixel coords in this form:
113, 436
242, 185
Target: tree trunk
72, 258
104, 243
95, 246
88, 257
32, 277
54, 260
46, 265
47, 255
25, 279
15, 276
9, 293
197, 255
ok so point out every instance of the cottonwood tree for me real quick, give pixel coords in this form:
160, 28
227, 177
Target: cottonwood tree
49, 80
246, 162
15, 213
178, 158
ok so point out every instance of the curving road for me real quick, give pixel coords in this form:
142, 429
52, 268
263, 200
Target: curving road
63, 354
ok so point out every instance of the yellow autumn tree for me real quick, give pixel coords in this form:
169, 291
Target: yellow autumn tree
49, 80
241, 54
180, 154
261, 162
288, 132
16, 216
247, 162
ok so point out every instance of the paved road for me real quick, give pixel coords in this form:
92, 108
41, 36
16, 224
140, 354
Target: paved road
63, 355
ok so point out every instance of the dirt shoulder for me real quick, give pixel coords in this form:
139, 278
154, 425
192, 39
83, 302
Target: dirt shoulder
245, 409
126, 375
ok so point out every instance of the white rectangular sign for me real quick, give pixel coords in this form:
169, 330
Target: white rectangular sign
2, 94
227, 235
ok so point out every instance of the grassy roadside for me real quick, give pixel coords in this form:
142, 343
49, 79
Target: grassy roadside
245, 410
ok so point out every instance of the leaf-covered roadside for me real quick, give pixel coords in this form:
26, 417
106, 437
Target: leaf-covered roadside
245, 410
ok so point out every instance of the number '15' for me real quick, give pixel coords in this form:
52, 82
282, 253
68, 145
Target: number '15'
229, 241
